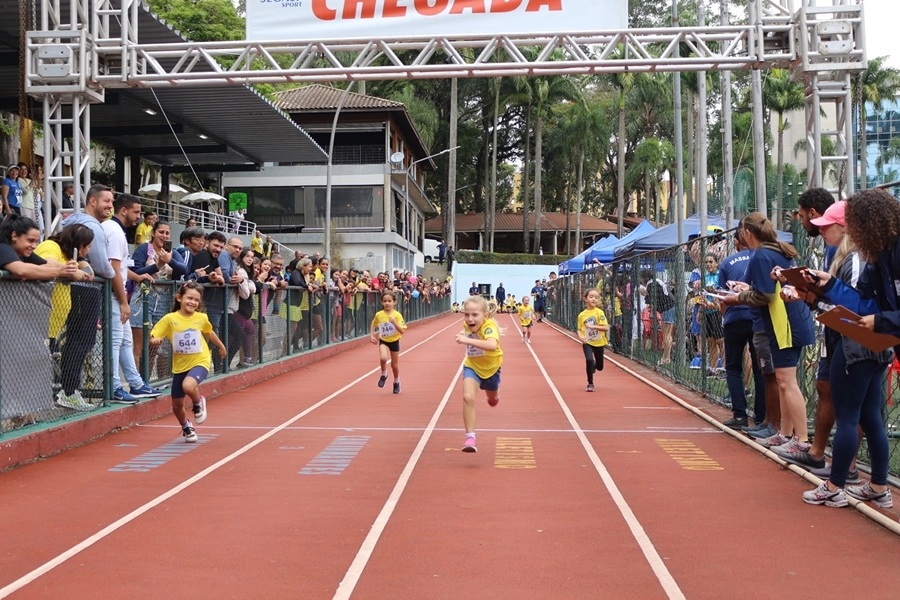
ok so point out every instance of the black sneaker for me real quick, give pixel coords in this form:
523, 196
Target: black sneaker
396, 387
382, 380
735, 423
804, 460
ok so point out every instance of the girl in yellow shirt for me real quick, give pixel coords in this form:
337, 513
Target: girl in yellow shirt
387, 327
526, 313
481, 336
185, 328
592, 328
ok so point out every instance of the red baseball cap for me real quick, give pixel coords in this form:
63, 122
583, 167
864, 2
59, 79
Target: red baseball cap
834, 215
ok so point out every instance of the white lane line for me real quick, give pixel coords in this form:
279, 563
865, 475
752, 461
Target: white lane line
351, 578
55, 562
670, 587
451, 429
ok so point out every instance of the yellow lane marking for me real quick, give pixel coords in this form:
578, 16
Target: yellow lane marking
689, 456
514, 453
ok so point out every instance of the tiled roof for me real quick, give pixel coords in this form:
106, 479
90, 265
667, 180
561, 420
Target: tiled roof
629, 222
513, 222
323, 97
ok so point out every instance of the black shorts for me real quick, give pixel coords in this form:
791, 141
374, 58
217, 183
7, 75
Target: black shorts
392, 346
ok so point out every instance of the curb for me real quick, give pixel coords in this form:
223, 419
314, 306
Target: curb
79, 431
888, 523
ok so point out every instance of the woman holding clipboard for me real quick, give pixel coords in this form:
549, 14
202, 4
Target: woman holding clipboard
872, 221
789, 326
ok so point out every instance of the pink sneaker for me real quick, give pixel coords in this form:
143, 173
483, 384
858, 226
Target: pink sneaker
469, 446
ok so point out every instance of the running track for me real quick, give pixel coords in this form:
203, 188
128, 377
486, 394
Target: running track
318, 484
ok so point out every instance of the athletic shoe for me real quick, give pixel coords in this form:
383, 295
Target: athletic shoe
120, 396
382, 380
494, 401
735, 423
757, 427
767, 431
822, 495
469, 446
145, 391
190, 436
589, 388
793, 446
396, 387
200, 411
528, 341
803, 459
74, 402
866, 493
825, 473
773, 440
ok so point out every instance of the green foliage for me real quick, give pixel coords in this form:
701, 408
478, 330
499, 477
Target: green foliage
497, 258
202, 20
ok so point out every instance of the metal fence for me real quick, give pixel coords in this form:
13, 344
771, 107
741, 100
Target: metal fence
690, 350
57, 342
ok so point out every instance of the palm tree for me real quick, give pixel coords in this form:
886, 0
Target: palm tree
875, 84
781, 96
622, 82
588, 128
652, 157
547, 92
523, 95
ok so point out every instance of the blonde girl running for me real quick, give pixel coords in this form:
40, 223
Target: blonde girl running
525, 319
481, 336
185, 328
387, 327
592, 328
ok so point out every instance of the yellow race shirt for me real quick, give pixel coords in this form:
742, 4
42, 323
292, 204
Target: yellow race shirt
60, 298
525, 313
189, 347
484, 362
256, 245
594, 317
142, 233
386, 330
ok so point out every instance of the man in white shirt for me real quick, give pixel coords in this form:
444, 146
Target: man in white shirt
126, 213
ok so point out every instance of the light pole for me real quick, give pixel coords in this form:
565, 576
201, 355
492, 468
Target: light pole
406, 211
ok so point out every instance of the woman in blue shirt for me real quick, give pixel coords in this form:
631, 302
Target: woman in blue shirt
789, 326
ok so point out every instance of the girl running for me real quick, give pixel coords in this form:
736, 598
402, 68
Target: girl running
387, 327
592, 328
525, 316
191, 358
481, 335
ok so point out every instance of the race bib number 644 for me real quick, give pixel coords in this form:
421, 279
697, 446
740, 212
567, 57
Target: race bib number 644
187, 342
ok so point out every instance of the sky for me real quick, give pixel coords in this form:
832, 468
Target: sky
881, 19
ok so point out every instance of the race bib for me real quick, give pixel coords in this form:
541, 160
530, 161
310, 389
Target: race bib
388, 329
526, 315
472, 350
591, 334
187, 342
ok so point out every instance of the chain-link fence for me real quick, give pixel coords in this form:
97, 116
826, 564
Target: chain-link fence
56, 355
685, 341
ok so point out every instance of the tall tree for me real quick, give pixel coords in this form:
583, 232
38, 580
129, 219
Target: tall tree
781, 95
875, 84
621, 82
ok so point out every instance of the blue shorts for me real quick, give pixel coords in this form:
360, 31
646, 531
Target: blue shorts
669, 316
786, 358
197, 373
491, 384
823, 372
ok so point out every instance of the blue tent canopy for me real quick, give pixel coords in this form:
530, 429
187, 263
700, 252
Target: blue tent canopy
666, 237
609, 252
576, 263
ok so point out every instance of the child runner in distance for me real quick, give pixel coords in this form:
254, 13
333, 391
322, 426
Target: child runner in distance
185, 328
481, 336
592, 328
387, 327
525, 315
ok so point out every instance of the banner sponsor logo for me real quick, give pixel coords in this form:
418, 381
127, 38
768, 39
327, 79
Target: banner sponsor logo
335, 19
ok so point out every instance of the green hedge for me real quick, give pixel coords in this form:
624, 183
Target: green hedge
497, 258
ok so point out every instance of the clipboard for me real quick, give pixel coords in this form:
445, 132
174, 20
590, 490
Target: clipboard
721, 295
837, 318
794, 277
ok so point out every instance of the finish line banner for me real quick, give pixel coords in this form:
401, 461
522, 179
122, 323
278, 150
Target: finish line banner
342, 19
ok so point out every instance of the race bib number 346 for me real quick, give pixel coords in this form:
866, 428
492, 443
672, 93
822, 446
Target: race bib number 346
187, 342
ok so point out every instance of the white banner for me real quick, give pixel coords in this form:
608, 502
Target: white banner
343, 19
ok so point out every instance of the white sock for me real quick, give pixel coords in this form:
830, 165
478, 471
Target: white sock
384, 373
471, 435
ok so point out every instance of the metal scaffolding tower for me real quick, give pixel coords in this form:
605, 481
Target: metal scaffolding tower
77, 54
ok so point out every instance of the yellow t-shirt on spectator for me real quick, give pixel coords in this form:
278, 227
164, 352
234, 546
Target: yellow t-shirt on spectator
60, 298
143, 233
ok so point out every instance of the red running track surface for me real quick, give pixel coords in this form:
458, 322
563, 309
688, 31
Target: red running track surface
615, 494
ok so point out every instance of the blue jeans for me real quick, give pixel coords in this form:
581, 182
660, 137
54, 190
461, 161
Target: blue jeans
857, 393
123, 352
739, 334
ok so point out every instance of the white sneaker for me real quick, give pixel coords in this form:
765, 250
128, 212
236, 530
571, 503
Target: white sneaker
528, 341
190, 436
74, 402
200, 411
